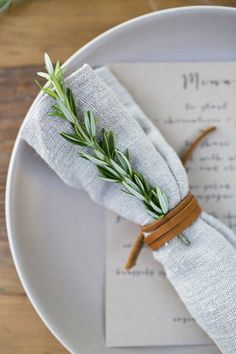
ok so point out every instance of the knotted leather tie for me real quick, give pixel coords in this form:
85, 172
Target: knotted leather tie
174, 222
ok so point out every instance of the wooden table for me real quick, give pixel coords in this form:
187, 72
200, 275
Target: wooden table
59, 27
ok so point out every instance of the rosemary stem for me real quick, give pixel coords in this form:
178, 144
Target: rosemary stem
184, 239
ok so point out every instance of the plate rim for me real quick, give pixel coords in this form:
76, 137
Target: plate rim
10, 173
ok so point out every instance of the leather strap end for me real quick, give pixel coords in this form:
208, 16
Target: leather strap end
136, 249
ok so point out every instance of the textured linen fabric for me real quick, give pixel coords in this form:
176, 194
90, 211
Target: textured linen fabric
204, 274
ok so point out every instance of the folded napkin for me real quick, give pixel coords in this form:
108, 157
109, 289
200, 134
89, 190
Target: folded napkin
204, 274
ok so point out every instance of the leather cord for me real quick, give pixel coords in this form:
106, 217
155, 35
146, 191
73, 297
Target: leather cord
175, 221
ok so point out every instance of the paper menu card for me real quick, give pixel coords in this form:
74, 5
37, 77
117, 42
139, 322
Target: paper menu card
142, 308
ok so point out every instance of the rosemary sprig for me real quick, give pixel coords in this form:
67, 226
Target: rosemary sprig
7, 4
113, 165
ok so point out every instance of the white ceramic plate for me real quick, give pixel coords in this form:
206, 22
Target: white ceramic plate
49, 231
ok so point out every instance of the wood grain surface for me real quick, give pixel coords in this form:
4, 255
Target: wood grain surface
59, 27
21, 330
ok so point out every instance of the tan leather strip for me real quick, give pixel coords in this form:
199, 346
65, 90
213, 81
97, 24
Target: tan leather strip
153, 226
136, 249
176, 230
174, 222
188, 153
170, 223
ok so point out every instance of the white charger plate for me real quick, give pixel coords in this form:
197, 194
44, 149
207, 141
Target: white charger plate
58, 252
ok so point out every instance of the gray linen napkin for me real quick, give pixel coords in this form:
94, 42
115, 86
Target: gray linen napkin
203, 274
